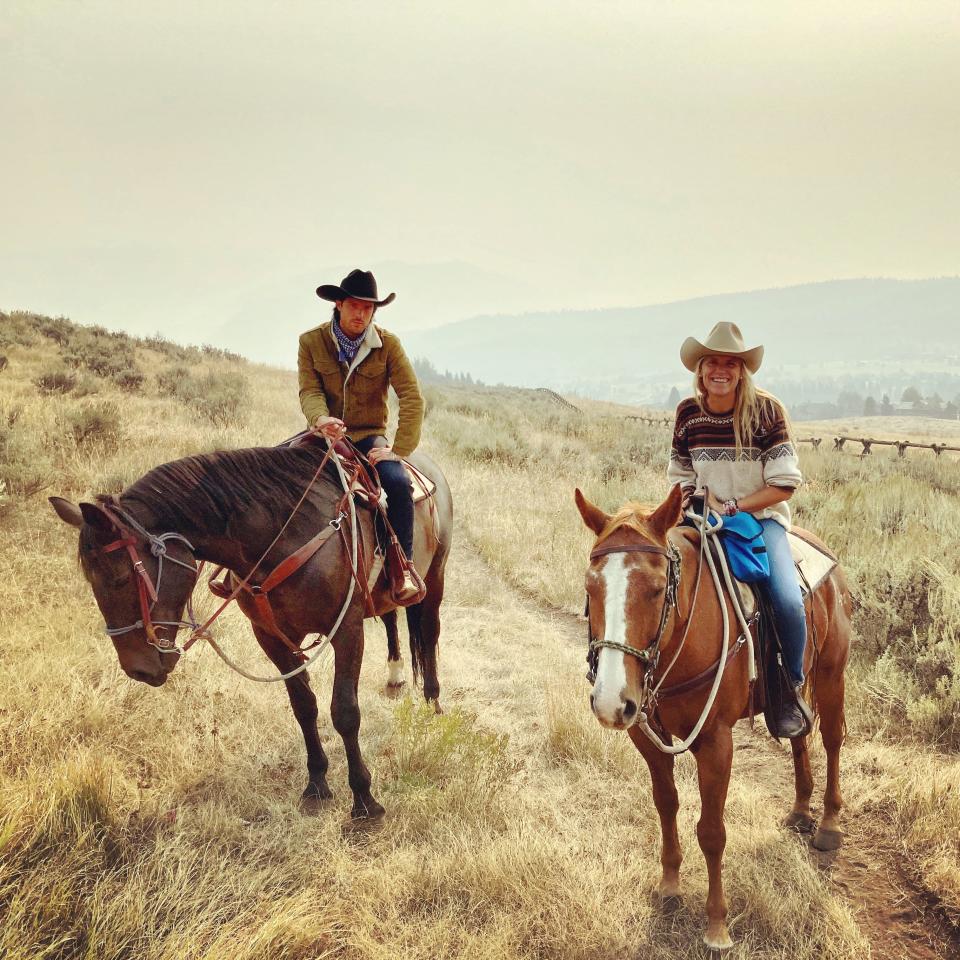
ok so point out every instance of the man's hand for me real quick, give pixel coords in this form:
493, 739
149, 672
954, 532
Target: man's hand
377, 454
330, 427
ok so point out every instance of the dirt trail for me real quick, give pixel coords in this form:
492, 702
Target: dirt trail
896, 915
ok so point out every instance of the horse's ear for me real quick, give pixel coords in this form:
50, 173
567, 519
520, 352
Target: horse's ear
593, 517
68, 512
97, 518
669, 512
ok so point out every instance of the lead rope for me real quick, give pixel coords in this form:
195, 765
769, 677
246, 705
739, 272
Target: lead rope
642, 719
325, 642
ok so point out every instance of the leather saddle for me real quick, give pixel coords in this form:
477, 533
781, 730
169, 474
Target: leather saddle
814, 562
368, 493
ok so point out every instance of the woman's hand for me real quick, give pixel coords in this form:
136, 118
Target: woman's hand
715, 504
332, 428
377, 454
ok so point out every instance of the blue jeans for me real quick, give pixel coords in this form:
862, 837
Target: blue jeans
783, 591
399, 490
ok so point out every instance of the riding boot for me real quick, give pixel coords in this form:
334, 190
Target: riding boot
796, 718
409, 590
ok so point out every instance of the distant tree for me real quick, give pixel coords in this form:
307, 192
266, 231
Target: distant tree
886, 407
869, 407
850, 403
673, 399
951, 411
935, 405
912, 395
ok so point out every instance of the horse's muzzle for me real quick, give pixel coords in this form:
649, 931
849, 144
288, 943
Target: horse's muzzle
616, 715
153, 679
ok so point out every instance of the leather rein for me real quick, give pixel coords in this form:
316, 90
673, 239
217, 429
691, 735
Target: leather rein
148, 591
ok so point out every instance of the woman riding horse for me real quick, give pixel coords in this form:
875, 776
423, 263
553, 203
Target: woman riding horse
731, 441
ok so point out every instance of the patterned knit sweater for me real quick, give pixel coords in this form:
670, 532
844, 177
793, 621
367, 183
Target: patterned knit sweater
704, 454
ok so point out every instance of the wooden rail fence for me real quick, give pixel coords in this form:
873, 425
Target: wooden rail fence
650, 421
868, 443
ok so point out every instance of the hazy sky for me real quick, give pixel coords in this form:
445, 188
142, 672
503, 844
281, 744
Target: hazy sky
165, 165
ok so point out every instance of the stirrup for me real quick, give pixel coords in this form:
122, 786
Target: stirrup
409, 590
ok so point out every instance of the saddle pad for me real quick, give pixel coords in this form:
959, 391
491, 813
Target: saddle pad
423, 486
813, 561
813, 564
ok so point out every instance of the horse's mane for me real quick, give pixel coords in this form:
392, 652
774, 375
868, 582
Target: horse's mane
221, 484
632, 516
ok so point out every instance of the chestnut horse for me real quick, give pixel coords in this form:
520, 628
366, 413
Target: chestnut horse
641, 589
139, 552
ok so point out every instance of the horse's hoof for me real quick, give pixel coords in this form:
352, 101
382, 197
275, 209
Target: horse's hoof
394, 691
437, 709
800, 822
312, 806
718, 939
668, 888
667, 903
314, 799
826, 840
367, 810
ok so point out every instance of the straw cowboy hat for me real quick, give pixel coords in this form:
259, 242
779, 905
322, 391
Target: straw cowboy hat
356, 285
725, 338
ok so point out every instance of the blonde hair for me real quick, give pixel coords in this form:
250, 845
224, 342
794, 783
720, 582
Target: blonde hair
752, 409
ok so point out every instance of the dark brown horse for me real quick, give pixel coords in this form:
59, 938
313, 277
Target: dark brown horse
226, 508
641, 587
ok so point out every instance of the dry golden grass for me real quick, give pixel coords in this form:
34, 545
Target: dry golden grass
163, 824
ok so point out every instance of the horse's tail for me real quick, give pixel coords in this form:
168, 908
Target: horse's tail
417, 650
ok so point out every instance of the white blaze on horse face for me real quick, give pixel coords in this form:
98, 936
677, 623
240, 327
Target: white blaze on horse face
611, 682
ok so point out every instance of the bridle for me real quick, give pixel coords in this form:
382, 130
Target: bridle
649, 655
652, 687
147, 590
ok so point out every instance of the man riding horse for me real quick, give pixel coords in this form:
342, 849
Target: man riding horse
346, 367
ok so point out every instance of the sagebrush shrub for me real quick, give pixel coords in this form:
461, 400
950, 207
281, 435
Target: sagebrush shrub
130, 381
16, 329
172, 379
223, 399
58, 329
95, 423
105, 355
55, 380
448, 752
26, 466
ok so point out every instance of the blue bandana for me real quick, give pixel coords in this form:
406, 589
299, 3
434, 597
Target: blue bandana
348, 347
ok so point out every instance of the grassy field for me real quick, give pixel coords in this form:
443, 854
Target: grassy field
163, 823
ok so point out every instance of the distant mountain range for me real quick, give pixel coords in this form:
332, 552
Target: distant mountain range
633, 353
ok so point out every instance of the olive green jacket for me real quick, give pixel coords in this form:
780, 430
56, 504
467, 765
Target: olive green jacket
357, 394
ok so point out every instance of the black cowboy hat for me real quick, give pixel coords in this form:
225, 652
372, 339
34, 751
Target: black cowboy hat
356, 285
